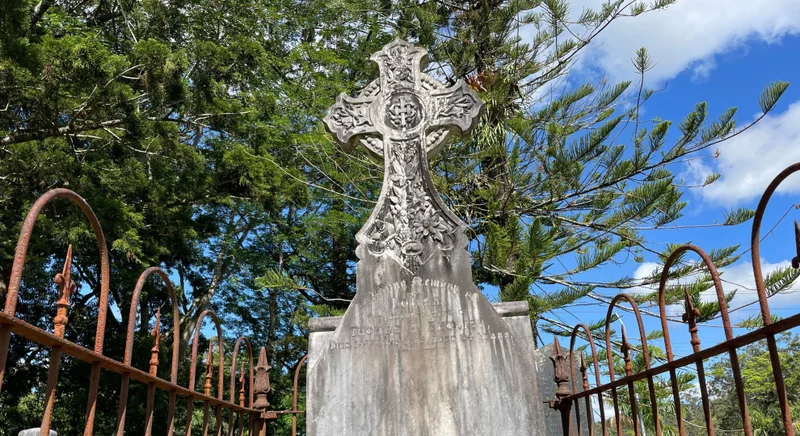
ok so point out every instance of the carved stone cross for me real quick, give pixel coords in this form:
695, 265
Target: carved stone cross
419, 351
404, 117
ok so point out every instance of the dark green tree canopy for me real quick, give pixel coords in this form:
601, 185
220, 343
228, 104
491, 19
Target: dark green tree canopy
192, 128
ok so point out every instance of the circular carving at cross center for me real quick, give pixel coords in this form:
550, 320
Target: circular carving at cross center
404, 111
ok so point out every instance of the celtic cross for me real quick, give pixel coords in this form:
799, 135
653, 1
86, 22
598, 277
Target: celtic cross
404, 117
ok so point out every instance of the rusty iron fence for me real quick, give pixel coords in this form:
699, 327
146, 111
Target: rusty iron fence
249, 415
570, 400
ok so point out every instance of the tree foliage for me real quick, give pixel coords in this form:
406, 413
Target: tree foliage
759, 386
192, 127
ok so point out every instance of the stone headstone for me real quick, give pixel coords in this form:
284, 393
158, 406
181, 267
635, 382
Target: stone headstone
420, 351
547, 388
35, 432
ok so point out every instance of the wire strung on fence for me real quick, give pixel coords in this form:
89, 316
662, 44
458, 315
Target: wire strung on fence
568, 401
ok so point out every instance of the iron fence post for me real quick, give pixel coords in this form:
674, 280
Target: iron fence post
561, 378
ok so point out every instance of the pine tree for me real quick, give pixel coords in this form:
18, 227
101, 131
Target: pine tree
562, 179
192, 127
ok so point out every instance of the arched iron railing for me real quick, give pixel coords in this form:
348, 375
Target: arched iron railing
568, 401
249, 385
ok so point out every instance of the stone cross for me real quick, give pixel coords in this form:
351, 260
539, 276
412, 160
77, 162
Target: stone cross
420, 351
404, 117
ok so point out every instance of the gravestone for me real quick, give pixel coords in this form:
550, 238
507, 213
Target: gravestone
547, 390
420, 351
35, 432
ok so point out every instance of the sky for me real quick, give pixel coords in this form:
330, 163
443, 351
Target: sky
723, 52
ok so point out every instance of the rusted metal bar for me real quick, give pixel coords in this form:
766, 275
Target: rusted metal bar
596, 364
585, 379
576, 406
241, 403
207, 387
690, 317
12, 295
768, 332
262, 388
726, 324
704, 354
151, 388
646, 358
234, 360
294, 393
65, 289
755, 251
561, 376
47, 339
129, 339
193, 368
626, 357
58, 345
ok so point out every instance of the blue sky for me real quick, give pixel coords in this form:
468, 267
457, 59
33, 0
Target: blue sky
722, 52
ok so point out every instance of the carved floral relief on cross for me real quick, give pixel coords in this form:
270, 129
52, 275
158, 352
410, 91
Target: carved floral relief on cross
403, 117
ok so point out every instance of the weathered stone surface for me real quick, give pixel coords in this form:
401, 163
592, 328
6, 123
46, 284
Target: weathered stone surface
34, 432
420, 351
547, 387
516, 317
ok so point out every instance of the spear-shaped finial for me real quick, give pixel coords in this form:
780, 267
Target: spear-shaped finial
241, 386
65, 289
796, 260
209, 364
156, 333
262, 385
560, 371
690, 317
626, 351
585, 377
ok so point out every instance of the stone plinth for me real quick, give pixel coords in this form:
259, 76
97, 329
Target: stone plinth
464, 385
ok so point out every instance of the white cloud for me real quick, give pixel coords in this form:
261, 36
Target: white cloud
740, 276
688, 34
644, 270
736, 277
748, 162
687, 37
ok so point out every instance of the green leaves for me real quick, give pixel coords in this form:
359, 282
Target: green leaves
780, 280
721, 128
612, 94
769, 97
737, 216
642, 61
658, 134
756, 321
275, 279
711, 178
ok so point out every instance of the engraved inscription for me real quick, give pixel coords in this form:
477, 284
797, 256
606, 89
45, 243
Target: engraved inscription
423, 315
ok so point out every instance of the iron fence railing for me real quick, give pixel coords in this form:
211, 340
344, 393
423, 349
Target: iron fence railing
249, 415
568, 399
